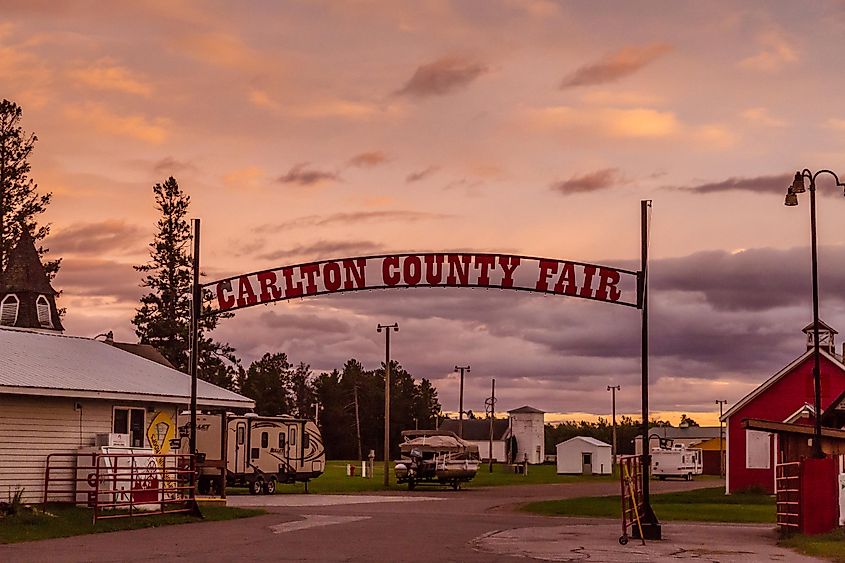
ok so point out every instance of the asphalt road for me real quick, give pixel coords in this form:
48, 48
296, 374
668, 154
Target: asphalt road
430, 524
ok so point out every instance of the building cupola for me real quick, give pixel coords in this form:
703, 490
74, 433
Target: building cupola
27, 300
826, 337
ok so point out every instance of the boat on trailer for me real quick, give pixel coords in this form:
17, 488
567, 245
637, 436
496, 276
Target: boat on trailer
435, 457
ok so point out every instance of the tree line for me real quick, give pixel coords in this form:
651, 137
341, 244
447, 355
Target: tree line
627, 428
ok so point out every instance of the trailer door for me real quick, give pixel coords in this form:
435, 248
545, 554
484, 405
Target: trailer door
293, 452
240, 448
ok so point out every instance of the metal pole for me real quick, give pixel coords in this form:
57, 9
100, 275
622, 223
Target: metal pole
644, 205
358, 424
492, 417
613, 389
817, 433
196, 309
461, 401
395, 327
721, 440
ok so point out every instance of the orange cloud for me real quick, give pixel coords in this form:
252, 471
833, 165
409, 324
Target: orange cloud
609, 122
244, 178
775, 53
219, 49
761, 116
105, 75
135, 126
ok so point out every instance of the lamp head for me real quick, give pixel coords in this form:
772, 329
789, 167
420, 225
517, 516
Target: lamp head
798, 184
378, 329
791, 198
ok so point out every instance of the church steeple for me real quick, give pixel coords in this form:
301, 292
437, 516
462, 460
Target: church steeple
27, 300
826, 336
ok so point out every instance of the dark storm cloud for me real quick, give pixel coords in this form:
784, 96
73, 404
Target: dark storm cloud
758, 184
90, 277
324, 248
614, 66
351, 218
420, 174
301, 175
603, 179
367, 159
98, 238
442, 77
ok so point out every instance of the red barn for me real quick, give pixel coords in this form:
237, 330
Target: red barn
787, 396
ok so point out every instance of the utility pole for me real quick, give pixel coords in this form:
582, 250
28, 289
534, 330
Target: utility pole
358, 423
721, 440
395, 327
316, 413
461, 401
614, 389
491, 406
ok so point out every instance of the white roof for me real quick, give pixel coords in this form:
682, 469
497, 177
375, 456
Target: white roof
49, 364
587, 439
776, 377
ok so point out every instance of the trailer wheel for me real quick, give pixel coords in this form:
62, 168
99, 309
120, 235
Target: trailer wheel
623, 540
412, 484
688, 477
456, 485
270, 486
256, 486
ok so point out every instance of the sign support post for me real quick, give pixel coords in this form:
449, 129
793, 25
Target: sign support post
196, 298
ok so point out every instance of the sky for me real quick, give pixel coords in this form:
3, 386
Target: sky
319, 130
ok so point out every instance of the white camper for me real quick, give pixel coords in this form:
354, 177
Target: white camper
260, 451
677, 461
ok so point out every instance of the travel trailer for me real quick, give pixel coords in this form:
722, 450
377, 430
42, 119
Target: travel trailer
260, 451
676, 461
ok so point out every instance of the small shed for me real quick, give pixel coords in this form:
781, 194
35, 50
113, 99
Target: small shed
585, 456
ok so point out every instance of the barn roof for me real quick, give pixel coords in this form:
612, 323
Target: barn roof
50, 364
588, 439
778, 376
526, 410
478, 430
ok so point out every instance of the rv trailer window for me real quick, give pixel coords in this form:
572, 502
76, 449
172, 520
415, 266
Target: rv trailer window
281, 441
240, 435
292, 438
265, 439
306, 439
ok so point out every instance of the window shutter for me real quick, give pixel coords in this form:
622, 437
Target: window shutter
9, 310
42, 306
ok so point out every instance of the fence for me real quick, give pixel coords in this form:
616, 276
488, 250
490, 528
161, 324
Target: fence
119, 485
788, 495
633, 504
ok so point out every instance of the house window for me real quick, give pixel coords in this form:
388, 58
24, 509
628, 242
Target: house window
42, 307
758, 448
132, 421
9, 310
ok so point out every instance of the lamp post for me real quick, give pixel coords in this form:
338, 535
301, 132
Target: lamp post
721, 404
395, 327
792, 192
461, 400
614, 389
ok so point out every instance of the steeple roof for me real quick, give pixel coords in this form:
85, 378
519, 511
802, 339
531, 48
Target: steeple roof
24, 271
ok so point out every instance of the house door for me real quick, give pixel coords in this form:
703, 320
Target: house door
586, 463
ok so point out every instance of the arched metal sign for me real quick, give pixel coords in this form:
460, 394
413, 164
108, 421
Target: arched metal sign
498, 271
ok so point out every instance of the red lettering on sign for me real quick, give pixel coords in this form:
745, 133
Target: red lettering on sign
225, 300
434, 268
547, 268
608, 279
291, 290
484, 263
311, 272
331, 276
269, 289
566, 281
354, 270
246, 295
388, 274
508, 266
587, 287
458, 269
412, 270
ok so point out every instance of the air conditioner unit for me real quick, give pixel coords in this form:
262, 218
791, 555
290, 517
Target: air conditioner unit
112, 439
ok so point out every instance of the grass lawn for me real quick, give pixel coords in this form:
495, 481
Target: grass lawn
830, 546
703, 505
67, 520
334, 480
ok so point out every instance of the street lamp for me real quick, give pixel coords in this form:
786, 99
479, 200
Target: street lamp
614, 389
792, 192
721, 403
461, 400
395, 327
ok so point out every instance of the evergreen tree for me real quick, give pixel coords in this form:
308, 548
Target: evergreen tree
163, 319
267, 383
20, 203
302, 392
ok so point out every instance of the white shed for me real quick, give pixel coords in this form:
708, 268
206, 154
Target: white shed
584, 455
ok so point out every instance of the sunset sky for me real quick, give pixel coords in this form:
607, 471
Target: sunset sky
306, 130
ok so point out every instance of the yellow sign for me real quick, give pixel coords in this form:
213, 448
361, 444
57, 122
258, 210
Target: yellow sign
161, 430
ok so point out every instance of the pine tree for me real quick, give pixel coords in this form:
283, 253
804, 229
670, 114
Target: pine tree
163, 320
20, 203
266, 382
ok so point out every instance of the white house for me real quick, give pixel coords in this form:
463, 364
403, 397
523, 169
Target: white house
57, 393
584, 455
528, 429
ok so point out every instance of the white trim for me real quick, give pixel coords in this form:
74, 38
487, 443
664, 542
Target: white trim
129, 410
727, 460
118, 396
809, 409
776, 377
3, 305
41, 306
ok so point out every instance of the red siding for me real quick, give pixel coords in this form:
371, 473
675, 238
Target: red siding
777, 403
